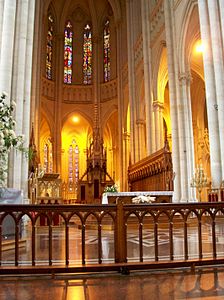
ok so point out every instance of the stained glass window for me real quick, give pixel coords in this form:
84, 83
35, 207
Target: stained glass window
106, 45
49, 50
87, 55
48, 157
73, 168
68, 53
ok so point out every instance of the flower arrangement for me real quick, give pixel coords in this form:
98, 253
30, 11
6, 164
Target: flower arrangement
143, 199
8, 137
111, 189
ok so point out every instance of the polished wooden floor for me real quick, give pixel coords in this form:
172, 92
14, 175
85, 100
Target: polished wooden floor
206, 284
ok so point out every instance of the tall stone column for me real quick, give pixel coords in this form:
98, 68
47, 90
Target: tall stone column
7, 46
140, 124
122, 175
221, 10
59, 96
147, 75
186, 137
27, 91
217, 51
126, 142
18, 80
131, 81
171, 54
158, 112
1, 21
211, 101
35, 109
21, 85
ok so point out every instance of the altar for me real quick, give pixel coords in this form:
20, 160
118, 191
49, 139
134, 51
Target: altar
160, 196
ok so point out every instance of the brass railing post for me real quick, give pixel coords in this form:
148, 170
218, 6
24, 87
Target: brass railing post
120, 234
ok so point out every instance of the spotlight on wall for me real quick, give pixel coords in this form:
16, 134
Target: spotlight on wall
75, 119
199, 47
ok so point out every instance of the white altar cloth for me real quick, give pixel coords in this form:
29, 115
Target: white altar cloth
134, 194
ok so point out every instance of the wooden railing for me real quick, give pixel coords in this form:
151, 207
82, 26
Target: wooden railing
153, 173
122, 220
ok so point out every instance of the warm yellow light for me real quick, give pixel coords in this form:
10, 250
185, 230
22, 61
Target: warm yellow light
75, 119
199, 47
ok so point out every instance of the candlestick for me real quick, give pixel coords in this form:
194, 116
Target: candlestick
199, 180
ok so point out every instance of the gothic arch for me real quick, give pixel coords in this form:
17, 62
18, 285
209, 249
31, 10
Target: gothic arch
162, 75
78, 112
188, 38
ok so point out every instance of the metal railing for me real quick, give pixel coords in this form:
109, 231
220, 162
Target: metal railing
147, 221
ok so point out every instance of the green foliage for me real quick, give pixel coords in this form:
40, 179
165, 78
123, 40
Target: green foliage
8, 138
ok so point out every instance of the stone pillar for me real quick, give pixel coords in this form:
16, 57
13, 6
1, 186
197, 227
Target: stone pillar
126, 142
7, 46
173, 99
59, 95
18, 81
121, 175
217, 51
211, 101
35, 109
131, 81
1, 21
21, 84
221, 10
140, 125
147, 75
27, 92
158, 113
186, 137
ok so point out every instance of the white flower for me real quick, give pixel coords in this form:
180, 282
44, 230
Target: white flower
12, 133
111, 189
143, 199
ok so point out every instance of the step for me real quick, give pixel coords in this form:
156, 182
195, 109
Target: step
10, 244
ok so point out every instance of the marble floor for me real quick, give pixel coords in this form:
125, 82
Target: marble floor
91, 242
206, 284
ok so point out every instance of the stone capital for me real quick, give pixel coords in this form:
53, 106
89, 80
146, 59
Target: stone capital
126, 135
185, 78
158, 105
140, 122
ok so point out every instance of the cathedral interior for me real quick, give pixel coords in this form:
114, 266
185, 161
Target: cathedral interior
112, 83
124, 95
101, 87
